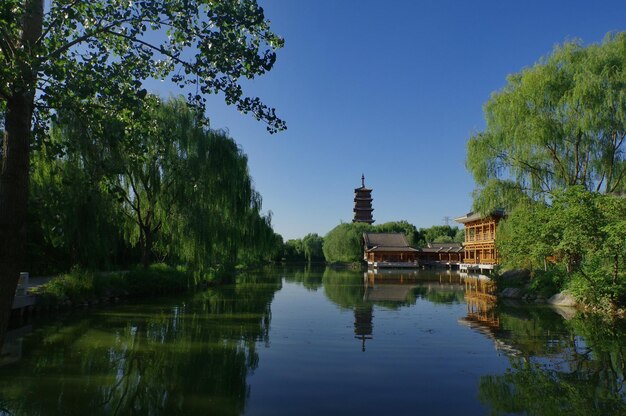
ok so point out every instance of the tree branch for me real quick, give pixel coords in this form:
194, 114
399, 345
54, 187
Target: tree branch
82, 38
55, 21
151, 46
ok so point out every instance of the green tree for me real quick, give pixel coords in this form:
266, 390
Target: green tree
559, 123
344, 243
438, 234
76, 54
312, 247
70, 207
403, 226
579, 240
293, 250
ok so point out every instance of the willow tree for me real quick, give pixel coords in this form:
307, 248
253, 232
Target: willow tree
71, 210
61, 54
214, 209
559, 123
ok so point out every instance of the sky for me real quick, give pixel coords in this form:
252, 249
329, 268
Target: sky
392, 90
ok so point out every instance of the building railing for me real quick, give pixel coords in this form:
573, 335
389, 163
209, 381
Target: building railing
480, 261
480, 237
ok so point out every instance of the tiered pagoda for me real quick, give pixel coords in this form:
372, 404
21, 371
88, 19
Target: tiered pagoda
363, 203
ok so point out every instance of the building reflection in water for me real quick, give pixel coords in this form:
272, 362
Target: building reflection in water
397, 288
363, 326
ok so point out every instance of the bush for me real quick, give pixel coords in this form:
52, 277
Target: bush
79, 286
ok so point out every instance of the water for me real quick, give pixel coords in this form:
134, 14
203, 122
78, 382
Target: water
306, 342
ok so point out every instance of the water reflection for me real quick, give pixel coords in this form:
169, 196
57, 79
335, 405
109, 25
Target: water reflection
578, 369
426, 333
388, 289
189, 356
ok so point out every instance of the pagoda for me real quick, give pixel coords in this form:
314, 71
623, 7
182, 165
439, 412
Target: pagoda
363, 203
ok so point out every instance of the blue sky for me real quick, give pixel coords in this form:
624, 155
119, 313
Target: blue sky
393, 90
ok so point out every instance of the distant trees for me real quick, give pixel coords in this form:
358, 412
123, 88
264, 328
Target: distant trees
307, 249
559, 123
344, 243
441, 234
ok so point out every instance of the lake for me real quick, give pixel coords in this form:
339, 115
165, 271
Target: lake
314, 342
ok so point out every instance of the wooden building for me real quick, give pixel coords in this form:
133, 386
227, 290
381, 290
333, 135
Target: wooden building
441, 254
363, 204
388, 250
479, 247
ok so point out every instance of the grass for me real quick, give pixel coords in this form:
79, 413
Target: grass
80, 286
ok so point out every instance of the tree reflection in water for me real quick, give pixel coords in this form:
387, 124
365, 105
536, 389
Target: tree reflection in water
177, 357
557, 367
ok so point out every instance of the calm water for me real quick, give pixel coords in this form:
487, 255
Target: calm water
302, 342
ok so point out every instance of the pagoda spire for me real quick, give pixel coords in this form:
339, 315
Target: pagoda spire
363, 180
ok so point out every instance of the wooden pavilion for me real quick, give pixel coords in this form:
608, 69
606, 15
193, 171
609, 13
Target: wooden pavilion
441, 254
480, 240
388, 250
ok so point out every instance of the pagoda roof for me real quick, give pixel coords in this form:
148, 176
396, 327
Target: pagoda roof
362, 189
442, 248
475, 216
386, 242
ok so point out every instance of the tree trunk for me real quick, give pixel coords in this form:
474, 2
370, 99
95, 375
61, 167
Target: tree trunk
15, 161
146, 248
13, 200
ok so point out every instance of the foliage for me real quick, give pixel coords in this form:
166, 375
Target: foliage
73, 219
293, 251
557, 124
404, 227
159, 180
80, 285
578, 242
312, 247
93, 58
307, 249
440, 234
105, 49
344, 243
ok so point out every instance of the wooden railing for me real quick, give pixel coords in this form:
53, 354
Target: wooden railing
480, 237
481, 261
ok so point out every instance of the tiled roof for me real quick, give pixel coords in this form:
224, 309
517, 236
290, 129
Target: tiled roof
377, 249
474, 216
385, 240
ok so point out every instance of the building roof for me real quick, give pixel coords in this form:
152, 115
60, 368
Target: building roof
475, 216
443, 248
386, 242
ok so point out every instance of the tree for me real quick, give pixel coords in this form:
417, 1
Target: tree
312, 247
344, 243
438, 234
579, 239
70, 208
557, 124
95, 56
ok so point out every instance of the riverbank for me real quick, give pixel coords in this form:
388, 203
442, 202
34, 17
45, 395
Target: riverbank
520, 286
81, 288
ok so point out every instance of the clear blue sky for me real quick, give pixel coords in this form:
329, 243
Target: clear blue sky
392, 90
